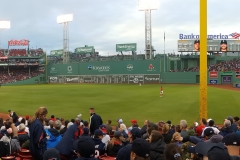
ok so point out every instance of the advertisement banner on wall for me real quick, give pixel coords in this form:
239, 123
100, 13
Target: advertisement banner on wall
213, 81
151, 79
136, 79
226, 79
53, 79
213, 74
71, 79
238, 74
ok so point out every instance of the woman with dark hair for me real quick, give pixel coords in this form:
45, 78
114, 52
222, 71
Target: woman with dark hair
157, 146
172, 152
38, 136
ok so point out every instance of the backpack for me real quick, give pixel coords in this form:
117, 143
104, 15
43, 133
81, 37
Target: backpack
5, 149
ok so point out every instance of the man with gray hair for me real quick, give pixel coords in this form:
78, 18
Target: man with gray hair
226, 129
183, 128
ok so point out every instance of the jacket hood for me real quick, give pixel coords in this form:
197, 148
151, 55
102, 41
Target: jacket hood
54, 132
158, 146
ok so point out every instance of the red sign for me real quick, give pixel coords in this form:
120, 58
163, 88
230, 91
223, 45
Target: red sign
213, 74
22, 42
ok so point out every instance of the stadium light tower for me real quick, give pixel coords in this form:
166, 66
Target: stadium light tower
64, 19
3, 25
147, 6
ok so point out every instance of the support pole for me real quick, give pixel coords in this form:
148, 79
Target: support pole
203, 59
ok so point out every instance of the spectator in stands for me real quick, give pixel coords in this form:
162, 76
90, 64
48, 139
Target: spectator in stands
123, 130
66, 144
157, 145
109, 127
85, 149
99, 145
62, 131
140, 150
120, 121
226, 129
95, 121
235, 119
51, 154
106, 138
134, 123
183, 128
85, 132
9, 124
165, 133
211, 125
13, 115
232, 142
124, 152
115, 144
203, 124
172, 152
54, 135
233, 125
22, 134
53, 118
238, 125
38, 137
144, 128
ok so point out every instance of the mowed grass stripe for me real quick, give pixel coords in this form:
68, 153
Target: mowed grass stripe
120, 101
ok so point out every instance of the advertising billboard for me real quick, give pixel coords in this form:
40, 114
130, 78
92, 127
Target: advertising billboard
126, 47
56, 52
83, 50
212, 46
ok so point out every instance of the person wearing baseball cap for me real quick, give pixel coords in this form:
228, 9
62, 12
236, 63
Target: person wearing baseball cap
232, 142
134, 124
223, 46
196, 45
85, 148
124, 152
140, 149
99, 145
106, 138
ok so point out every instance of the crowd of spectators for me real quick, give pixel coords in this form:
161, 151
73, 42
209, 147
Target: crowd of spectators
14, 75
36, 52
58, 138
18, 53
231, 65
2, 53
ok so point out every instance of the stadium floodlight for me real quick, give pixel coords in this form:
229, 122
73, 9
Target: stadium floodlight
4, 25
147, 6
64, 19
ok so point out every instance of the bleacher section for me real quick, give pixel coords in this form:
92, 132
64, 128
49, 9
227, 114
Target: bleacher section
18, 53
2, 53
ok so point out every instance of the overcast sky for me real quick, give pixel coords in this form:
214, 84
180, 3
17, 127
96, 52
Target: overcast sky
105, 23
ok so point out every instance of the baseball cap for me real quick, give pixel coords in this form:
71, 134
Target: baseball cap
103, 128
231, 139
197, 41
214, 151
85, 130
27, 117
208, 132
134, 121
120, 120
168, 122
98, 132
117, 134
141, 148
209, 120
86, 147
223, 42
51, 153
136, 133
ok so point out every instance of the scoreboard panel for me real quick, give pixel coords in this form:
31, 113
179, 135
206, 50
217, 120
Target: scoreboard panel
212, 46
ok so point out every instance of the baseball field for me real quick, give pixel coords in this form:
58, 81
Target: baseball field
121, 101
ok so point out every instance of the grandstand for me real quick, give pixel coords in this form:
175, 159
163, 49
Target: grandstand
21, 64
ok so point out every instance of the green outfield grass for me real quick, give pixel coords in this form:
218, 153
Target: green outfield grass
120, 101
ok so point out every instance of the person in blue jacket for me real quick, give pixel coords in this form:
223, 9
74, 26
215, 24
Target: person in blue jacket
99, 145
38, 137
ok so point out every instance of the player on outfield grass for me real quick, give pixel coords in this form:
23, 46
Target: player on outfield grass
161, 92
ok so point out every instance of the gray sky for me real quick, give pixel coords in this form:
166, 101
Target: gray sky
105, 23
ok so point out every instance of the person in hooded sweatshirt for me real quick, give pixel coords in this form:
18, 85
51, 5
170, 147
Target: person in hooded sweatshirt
38, 136
99, 145
65, 146
54, 134
85, 148
157, 146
